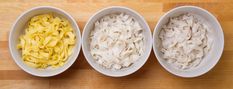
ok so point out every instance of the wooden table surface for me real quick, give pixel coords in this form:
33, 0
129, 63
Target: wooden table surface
82, 76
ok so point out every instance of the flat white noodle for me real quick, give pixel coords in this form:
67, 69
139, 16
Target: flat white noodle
185, 41
116, 41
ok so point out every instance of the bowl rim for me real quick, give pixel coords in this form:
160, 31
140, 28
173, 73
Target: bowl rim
208, 68
85, 50
75, 54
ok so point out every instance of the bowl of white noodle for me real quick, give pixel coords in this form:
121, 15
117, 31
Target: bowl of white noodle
188, 41
116, 41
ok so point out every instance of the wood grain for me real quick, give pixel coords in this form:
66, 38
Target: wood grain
82, 76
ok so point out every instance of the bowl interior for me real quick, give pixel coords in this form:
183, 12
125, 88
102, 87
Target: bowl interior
215, 32
18, 30
124, 71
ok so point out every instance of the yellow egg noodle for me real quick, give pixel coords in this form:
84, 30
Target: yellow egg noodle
48, 41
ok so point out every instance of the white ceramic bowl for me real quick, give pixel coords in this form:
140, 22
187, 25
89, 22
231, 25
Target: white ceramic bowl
18, 29
211, 59
136, 65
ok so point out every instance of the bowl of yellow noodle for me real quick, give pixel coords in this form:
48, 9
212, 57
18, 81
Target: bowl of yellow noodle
45, 41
